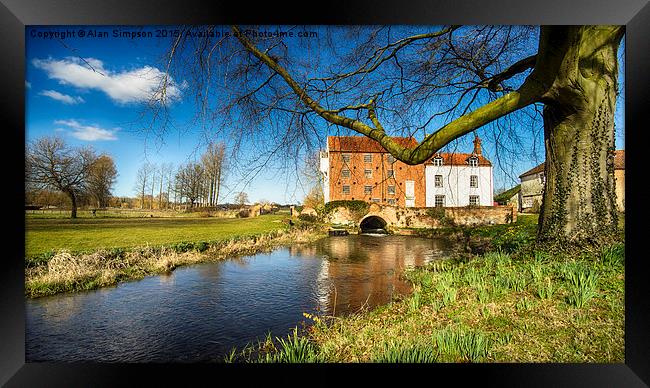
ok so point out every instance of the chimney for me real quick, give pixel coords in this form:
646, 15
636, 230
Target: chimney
477, 146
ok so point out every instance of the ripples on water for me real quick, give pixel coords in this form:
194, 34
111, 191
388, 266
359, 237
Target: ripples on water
198, 313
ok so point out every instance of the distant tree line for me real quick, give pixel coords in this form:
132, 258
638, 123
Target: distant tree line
195, 184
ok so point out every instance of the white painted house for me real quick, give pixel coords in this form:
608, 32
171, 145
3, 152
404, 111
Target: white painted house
455, 179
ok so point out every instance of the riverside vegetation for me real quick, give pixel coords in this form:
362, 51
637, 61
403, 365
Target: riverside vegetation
101, 253
516, 302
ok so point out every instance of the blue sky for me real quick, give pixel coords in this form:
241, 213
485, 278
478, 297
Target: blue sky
89, 91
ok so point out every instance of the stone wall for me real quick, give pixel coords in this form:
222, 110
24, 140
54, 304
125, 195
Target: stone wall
482, 215
399, 217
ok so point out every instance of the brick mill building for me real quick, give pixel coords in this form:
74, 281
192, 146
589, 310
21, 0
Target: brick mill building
358, 168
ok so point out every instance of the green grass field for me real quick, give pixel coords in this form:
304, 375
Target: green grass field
88, 234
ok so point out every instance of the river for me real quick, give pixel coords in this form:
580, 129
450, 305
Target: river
198, 313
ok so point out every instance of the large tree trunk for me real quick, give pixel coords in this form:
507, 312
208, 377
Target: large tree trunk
73, 203
579, 205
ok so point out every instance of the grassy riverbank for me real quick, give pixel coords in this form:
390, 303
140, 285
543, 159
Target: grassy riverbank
513, 304
162, 247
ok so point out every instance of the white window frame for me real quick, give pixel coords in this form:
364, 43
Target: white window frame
473, 161
477, 198
343, 189
390, 190
367, 173
345, 173
438, 181
346, 158
367, 158
390, 159
442, 202
391, 201
473, 179
437, 161
390, 173
367, 189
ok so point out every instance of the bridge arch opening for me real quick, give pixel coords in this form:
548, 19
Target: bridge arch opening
373, 224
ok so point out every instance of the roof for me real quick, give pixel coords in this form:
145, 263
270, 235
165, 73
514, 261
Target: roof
458, 159
506, 195
534, 170
619, 164
364, 144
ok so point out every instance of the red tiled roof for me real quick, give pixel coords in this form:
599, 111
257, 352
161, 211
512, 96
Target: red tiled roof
364, 144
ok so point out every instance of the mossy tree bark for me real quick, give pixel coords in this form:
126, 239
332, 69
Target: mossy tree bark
579, 205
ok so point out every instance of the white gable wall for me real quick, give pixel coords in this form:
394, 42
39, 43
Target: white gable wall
456, 187
325, 171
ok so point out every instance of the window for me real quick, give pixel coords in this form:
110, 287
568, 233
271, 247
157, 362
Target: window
474, 200
542, 178
438, 180
375, 200
390, 173
391, 201
367, 173
440, 201
390, 159
345, 173
367, 158
473, 162
346, 158
437, 161
391, 190
346, 189
367, 189
473, 181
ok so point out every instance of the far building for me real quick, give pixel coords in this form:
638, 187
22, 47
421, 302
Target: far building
457, 179
532, 189
619, 176
358, 168
533, 180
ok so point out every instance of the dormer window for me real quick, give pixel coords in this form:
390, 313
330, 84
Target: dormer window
437, 161
473, 161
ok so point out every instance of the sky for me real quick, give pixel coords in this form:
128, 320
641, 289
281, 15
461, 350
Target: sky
89, 90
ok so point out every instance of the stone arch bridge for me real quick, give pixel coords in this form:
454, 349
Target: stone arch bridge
391, 218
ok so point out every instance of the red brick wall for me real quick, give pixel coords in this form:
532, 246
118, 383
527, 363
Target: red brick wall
379, 180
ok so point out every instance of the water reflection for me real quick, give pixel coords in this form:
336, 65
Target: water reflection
199, 312
364, 271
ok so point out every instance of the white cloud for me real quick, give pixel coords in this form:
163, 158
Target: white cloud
87, 132
28, 85
64, 98
137, 85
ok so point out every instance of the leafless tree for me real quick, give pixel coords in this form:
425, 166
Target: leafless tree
189, 179
142, 181
215, 164
103, 174
52, 164
241, 198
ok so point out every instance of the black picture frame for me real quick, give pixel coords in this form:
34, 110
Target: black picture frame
16, 14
